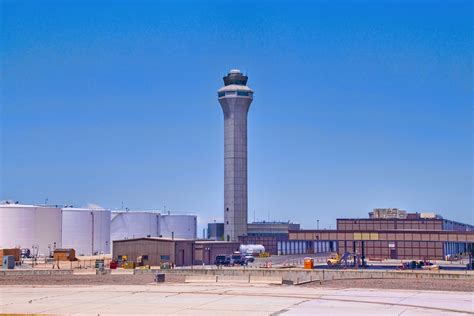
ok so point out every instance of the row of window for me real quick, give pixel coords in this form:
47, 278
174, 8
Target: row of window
400, 236
451, 248
399, 244
239, 93
293, 247
237, 82
424, 249
390, 226
303, 247
400, 253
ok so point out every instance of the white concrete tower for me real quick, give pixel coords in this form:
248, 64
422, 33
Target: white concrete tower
235, 98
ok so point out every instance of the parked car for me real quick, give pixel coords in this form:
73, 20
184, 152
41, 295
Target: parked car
238, 259
222, 260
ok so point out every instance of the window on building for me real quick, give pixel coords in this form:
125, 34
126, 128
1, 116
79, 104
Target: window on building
237, 82
243, 93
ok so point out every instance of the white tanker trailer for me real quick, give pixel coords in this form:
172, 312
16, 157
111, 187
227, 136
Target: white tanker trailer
251, 249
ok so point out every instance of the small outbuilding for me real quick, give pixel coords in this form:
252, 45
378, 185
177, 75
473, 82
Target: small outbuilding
15, 252
64, 254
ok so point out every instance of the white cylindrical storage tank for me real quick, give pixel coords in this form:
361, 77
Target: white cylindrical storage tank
134, 224
178, 226
85, 230
101, 236
33, 227
77, 230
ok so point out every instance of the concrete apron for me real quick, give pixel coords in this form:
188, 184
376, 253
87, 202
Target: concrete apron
299, 276
233, 279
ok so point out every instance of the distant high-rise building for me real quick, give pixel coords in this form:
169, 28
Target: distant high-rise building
235, 98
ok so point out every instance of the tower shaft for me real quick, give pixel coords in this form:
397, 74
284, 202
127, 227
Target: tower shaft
235, 171
235, 99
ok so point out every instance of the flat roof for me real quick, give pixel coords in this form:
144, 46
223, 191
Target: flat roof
390, 231
403, 219
153, 239
14, 205
84, 209
197, 241
203, 241
389, 219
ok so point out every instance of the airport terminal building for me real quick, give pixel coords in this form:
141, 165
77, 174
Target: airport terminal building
398, 236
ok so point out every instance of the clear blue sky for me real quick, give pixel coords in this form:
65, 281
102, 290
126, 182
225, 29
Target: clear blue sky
357, 105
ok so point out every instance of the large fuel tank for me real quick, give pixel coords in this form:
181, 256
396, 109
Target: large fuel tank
37, 228
178, 226
134, 224
86, 230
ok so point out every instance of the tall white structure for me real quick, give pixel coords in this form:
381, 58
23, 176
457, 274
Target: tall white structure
134, 224
85, 230
33, 227
235, 98
137, 224
177, 226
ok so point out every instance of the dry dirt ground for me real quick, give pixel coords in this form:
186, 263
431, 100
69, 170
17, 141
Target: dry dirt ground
408, 284
83, 279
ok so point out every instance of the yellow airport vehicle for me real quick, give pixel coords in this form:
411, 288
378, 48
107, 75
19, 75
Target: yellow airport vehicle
335, 260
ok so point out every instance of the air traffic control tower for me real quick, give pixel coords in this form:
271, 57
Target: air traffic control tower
235, 98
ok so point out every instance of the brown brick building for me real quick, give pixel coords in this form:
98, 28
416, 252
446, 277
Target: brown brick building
181, 252
205, 251
413, 237
268, 234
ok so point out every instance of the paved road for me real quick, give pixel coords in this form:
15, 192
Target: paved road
228, 299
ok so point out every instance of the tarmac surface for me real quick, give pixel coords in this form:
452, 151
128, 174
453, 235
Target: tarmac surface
86, 279
228, 299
